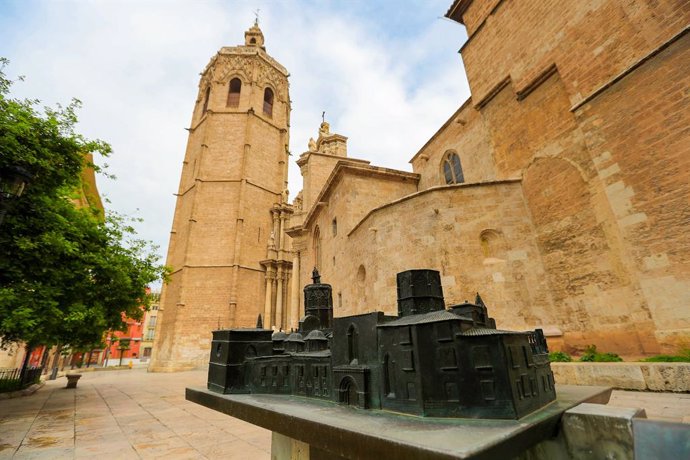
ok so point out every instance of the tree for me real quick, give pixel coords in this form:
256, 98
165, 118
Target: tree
67, 273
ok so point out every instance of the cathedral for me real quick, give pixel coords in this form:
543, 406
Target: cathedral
560, 189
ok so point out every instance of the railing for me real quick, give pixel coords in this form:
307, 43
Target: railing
11, 379
9, 373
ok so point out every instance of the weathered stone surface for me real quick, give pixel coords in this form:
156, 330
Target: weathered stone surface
661, 440
595, 431
627, 376
591, 237
573, 215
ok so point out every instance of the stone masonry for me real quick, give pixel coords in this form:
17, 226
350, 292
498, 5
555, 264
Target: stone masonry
568, 207
226, 249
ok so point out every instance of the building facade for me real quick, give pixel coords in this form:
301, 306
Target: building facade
559, 189
227, 248
150, 322
124, 347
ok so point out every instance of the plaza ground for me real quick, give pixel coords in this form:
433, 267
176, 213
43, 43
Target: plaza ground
121, 415
134, 414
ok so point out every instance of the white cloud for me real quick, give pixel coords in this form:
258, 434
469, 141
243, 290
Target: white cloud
384, 84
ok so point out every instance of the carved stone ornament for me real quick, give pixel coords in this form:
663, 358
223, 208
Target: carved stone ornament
230, 66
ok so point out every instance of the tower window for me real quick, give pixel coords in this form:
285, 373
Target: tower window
452, 169
206, 98
268, 102
234, 93
334, 226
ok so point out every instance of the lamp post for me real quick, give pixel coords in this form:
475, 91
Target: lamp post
13, 179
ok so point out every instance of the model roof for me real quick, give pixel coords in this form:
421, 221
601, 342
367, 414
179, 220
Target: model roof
431, 317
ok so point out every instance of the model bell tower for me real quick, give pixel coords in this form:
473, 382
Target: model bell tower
231, 199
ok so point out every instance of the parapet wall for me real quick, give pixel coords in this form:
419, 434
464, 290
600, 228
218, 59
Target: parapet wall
625, 376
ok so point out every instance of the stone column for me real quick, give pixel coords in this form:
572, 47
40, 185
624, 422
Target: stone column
267, 302
279, 300
276, 228
294, 293
281, 238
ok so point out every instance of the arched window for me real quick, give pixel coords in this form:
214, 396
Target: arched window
491, 243
316, 245
234, 93
206, 98
268, 102
352, 345
452, 170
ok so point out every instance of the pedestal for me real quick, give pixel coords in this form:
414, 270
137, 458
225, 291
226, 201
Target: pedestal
313, 429
72, 380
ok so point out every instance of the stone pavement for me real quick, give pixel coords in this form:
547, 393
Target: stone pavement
134, 414
671, 407
121, 415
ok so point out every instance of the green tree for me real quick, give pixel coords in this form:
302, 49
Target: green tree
67, 273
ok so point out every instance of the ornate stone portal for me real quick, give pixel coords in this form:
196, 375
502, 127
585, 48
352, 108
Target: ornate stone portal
427, 361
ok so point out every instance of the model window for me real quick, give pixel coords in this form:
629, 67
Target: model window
481, 357
234, 93
352, 345
452, 169
407, 360
268, 102
447, 360
206, 98
388, 375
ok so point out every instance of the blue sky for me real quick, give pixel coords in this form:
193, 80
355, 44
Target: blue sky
387, 73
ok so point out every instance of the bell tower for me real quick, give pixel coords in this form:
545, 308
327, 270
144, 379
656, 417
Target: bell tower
230, 203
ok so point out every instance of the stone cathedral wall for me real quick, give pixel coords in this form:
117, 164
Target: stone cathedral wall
587, 102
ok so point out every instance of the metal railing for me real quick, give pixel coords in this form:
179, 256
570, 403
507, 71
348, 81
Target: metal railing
11, 379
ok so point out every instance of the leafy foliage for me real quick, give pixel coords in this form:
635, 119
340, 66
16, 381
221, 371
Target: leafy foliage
682, 357
67, 274
559, 357
593, 356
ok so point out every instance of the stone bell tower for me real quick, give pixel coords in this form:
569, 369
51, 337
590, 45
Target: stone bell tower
231, 206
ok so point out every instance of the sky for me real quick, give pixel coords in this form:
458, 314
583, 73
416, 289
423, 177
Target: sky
386, 72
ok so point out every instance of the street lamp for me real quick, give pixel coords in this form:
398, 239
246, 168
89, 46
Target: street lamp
12, 182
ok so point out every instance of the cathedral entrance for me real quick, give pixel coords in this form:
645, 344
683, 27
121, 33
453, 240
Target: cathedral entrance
348, 392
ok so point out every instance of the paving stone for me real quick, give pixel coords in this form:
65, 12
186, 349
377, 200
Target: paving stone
122, 415
111, 412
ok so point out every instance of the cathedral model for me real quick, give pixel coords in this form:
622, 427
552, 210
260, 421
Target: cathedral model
558, 189
427, 360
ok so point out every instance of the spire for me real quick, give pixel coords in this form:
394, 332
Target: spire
259, 322
478, 300
254, 36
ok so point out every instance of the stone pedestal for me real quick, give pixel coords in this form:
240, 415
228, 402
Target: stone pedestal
313, 429
72, 380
